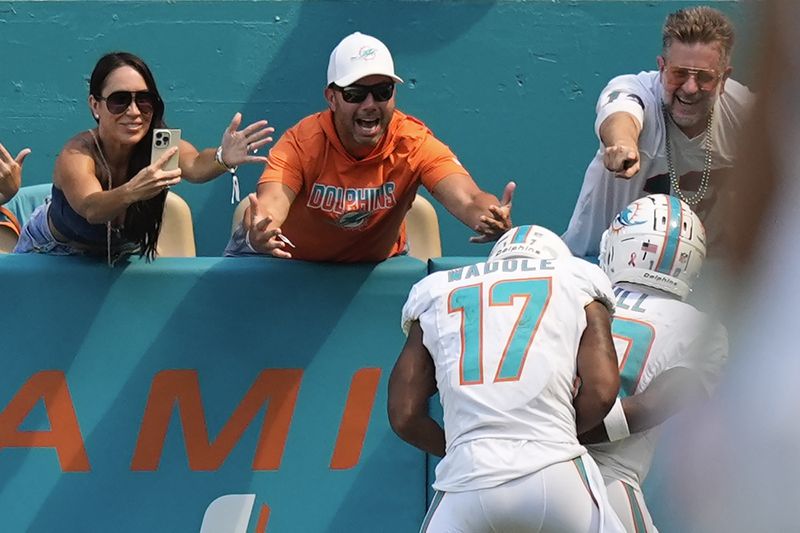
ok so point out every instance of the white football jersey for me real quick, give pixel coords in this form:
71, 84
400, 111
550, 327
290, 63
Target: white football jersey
504, 337
603, 195
654, 332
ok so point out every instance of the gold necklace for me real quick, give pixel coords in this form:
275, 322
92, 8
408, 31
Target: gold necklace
695, 198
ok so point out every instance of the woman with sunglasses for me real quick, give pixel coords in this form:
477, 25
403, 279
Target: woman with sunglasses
107, 196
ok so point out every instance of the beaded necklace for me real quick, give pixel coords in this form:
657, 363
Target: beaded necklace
695, 198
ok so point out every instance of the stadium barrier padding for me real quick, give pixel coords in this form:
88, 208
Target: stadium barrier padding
132, 398
216, 395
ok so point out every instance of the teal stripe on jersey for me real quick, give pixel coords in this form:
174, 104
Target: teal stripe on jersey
672, 237
437, 499
521, 233
582, 471
636, 511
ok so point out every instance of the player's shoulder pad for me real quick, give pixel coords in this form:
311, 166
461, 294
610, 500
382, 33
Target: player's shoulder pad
420, 298
592, 280
701, 324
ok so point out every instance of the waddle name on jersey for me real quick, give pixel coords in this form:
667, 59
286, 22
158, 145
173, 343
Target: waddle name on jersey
506, 265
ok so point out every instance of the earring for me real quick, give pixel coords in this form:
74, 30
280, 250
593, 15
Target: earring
97, 117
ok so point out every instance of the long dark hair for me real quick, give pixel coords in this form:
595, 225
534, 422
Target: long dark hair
142, 219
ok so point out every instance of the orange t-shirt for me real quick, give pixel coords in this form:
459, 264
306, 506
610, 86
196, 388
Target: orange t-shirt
350, 210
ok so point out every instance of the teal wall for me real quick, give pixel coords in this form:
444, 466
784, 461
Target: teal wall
110, 335
510, 86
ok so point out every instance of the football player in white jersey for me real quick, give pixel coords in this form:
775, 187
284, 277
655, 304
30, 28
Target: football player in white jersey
505, 342
670, 354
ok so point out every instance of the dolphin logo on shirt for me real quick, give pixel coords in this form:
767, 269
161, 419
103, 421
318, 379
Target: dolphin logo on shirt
354, 219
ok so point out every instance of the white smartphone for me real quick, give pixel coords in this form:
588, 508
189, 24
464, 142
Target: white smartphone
163, 140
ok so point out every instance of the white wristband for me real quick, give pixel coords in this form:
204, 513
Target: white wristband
218, 159
615, 422
234, 178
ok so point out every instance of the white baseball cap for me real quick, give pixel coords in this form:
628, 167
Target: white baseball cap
357, 56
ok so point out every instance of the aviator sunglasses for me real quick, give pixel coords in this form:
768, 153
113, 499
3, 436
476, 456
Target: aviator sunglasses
355, 94
118, 102
706, 79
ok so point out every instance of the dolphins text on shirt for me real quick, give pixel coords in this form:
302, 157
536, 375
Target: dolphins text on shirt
339, 200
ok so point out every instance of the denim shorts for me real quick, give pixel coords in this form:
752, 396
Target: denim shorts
36, 237
237, 246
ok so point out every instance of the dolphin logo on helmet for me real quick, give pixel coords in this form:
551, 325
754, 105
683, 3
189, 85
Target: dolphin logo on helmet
626, 217
664, 249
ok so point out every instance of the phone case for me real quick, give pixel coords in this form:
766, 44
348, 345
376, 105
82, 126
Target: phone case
163, 140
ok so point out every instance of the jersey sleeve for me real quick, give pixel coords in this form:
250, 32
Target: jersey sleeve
706, 352
284, 163
419, 300
625, 94
593, 284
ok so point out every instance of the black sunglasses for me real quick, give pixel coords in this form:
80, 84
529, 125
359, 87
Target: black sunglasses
355, 94
118, 102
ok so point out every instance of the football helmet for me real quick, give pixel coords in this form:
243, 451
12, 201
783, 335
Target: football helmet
657, 241
534, 242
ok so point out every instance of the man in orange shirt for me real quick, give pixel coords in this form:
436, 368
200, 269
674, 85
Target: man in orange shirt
339, 183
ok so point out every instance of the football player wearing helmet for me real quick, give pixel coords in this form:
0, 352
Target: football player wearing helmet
503, 342
669, 353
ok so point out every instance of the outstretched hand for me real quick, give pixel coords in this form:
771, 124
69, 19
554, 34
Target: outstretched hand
239, 146
622, 160
492, 226
11, 171
259, 237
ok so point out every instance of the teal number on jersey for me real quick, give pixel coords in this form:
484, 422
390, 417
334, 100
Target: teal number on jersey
467, 301
639, 336
537, 293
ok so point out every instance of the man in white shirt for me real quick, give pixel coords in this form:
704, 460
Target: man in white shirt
505, 342
670, 354
669, 131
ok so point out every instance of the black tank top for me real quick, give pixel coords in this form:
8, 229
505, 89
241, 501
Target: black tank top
72, 225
